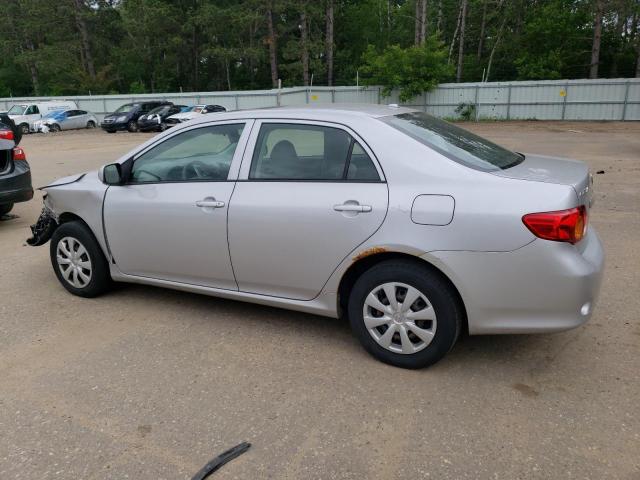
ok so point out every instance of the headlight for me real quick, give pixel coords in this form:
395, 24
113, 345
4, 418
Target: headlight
121, 118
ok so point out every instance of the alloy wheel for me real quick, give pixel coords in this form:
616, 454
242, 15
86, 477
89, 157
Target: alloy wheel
399, 317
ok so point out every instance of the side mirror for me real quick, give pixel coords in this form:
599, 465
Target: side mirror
112, 174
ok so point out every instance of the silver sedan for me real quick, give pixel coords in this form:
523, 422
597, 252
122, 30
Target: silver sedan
66, 120
413, 229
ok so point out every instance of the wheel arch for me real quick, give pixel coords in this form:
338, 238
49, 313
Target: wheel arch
357, 268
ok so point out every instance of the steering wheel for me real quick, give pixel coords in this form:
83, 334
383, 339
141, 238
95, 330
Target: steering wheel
198, 169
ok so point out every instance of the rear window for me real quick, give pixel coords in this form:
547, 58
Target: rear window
454, 142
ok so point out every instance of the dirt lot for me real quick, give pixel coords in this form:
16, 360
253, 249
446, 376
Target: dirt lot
146, 383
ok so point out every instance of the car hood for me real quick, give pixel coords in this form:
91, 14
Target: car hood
65, 180
563, 171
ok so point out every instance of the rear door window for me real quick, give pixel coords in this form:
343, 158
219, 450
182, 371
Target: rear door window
309, 152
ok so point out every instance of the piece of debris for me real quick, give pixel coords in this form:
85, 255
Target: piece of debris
220, 460
600, 172
8, 216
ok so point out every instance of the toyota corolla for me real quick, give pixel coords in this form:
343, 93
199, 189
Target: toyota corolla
413, 229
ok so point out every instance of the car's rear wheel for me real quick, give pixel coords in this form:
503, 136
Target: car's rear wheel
6, 208
54, 127
132, 126
404, 314
78, 261
24, 128
91, 124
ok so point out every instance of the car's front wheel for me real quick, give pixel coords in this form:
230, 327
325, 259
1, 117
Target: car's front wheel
78, 261
132, 126
404, 314
91, 124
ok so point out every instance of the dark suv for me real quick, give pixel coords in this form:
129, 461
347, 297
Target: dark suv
126, 117
15, 174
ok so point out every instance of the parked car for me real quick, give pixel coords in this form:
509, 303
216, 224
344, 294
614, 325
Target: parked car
15, 174
193, 113
66, 120
7, 124
25, 114
126, 117
155, 119
411, 228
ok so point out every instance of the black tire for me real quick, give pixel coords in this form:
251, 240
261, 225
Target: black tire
132, 126
24, 128
91, 124
440, 294
100, 278
6, 208
55, 127
110, 131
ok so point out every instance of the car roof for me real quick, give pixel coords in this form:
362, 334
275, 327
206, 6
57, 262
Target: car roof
322, 112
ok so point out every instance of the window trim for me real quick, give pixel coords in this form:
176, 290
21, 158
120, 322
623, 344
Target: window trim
247, 160
234, 168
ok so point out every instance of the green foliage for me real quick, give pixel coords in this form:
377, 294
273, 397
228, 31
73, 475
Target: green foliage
466, 111
192, 45
413, 70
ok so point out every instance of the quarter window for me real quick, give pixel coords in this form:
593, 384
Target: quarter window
202, 154
309, 152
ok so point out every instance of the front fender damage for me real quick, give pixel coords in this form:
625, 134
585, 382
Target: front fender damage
44, 227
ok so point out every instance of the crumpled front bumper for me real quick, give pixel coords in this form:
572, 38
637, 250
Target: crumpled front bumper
44, 227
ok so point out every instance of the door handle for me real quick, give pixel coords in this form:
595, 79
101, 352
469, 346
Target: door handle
352, 207
209, 203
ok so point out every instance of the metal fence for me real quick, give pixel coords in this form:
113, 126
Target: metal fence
616, 99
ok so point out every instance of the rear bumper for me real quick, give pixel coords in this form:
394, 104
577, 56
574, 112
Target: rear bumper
16, 186
542, 287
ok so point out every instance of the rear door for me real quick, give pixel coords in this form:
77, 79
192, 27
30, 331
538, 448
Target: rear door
308, 194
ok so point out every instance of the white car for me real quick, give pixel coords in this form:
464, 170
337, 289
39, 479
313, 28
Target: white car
193, 113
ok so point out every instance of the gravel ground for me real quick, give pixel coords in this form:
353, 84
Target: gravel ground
145, 383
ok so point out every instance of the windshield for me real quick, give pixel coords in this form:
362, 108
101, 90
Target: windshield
57, 114
454, 142
160, 110
126, 108
17, 110
197, 108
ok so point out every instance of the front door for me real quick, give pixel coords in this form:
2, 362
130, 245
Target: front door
169, 221
309, 193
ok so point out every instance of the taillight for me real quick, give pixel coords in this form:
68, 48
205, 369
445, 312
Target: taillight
18, 154
561, 226
6, 134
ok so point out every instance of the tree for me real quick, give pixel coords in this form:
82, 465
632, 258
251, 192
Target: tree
329, 41
463, 16
412, 70
597, 36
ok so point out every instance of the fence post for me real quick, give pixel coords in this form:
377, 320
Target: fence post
379, 94
509, 103
626, 100
564, 99
237, 103
477, 106
104, 105
333, 95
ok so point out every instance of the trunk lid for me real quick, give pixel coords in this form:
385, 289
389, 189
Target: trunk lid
563, 171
